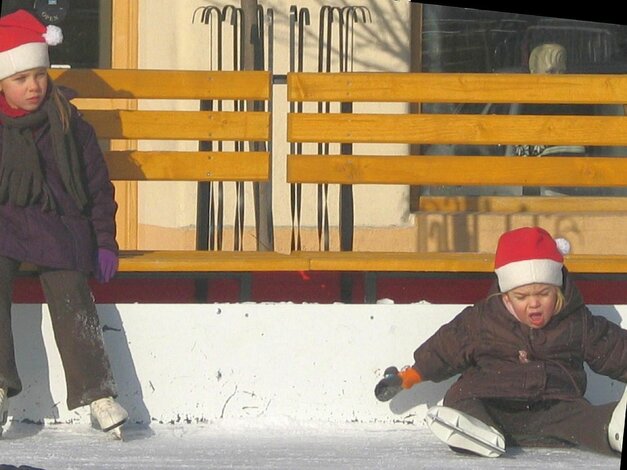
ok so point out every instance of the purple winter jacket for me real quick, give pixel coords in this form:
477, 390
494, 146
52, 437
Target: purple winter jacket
500, 357
64, 238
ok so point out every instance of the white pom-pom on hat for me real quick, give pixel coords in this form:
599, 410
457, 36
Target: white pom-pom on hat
53, 35
563, 245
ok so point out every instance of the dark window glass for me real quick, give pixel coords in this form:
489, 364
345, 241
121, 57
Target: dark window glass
468, 40
86, 32
476, 41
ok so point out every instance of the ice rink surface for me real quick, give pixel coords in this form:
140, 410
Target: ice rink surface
261, 446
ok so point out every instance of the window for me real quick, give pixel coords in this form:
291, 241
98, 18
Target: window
474, 41
86, 29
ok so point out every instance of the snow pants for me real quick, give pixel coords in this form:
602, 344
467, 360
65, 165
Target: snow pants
549, 423
76, 329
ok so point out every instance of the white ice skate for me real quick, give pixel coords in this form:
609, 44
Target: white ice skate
4, 408
465, 432
108, 414
617, 425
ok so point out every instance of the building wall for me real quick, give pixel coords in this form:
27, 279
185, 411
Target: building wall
168, 39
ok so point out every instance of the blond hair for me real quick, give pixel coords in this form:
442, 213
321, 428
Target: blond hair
560, 301
62, 104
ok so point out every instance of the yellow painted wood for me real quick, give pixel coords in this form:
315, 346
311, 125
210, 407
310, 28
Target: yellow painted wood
109, 103
517, 204
124, 54
446, 262
209, 261
180, 125
177, 261
614, 264
110, 86
400, 262
457, 87
188, 166
165, 84
454, 170
457, 129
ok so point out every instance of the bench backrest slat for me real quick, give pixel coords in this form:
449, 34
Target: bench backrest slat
188, 166
457, 129
456, 88
455, 170
165, 84
180, 125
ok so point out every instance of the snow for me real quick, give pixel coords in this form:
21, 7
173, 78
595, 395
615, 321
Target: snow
261, 444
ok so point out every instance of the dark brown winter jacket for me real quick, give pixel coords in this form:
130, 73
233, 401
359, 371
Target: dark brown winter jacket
500, 357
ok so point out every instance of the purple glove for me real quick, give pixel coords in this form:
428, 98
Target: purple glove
107, 265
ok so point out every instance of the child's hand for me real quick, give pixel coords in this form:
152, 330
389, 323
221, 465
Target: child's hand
389, 385
395, 381
107, 265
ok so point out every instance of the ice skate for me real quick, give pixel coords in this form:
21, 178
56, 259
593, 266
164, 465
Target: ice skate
616, 427
108, 414
4, 408
461, 431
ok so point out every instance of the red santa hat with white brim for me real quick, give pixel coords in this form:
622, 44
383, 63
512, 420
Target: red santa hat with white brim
24, 43
529, 255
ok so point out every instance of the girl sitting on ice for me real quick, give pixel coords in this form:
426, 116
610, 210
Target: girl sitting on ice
521, 354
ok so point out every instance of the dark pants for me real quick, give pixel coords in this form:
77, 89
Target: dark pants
551, 423
76, 330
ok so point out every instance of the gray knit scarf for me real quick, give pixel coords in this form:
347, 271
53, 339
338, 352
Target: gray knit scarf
21, 178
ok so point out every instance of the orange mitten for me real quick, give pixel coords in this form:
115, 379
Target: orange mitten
410, 377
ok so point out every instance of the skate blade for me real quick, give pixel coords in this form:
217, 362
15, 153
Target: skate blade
117, 433
464, 432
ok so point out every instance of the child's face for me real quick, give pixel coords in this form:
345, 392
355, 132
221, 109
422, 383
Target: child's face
533, 304
26, 90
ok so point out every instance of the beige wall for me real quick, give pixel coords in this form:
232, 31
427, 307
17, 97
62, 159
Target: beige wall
169, 40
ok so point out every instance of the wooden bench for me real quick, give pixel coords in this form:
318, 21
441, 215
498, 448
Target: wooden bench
103, 98
346, 126
108, 97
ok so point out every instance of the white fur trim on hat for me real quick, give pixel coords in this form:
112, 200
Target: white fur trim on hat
529, 271
25, 57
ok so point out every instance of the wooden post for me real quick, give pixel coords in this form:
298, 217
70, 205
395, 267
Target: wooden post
124, 49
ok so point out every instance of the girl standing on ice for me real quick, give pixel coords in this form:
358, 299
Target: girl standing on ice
521, 354
57, 213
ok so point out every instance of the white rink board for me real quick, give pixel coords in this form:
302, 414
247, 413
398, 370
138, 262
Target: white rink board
286, 362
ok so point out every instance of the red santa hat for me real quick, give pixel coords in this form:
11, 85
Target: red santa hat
529, 255
24, 43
